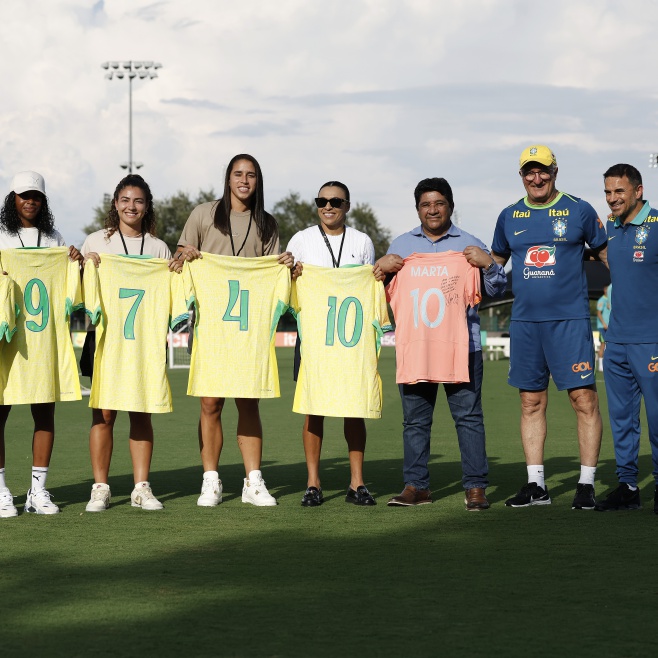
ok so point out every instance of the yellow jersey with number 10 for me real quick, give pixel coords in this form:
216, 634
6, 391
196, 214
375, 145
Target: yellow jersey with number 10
133, 300
341, 317
238, 305
38, 365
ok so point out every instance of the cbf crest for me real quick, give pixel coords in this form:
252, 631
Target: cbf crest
641, 234
559, 227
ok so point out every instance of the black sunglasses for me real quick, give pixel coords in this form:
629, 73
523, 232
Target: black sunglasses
334, 202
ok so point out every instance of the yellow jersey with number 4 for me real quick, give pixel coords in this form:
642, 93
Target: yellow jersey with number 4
238, 304
341, 317
38, 364
133, 300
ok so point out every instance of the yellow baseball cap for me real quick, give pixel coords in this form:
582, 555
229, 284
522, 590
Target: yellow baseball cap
538, 153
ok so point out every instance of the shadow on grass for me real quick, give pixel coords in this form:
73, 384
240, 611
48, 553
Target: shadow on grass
383, 478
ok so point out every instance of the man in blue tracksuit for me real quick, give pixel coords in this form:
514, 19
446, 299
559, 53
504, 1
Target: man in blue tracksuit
631, 355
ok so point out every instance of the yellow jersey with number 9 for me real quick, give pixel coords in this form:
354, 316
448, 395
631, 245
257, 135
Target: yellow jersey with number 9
133, 300
38, 364
238, 304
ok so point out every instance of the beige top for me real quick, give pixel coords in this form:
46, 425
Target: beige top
200, 232
98, 243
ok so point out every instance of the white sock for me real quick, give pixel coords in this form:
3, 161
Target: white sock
254, 476
630, 486
211, 475
601, 364
39, 475
141, 485
587, 474
2, 478
536, 474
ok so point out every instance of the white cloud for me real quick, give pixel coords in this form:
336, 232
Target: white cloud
378, 93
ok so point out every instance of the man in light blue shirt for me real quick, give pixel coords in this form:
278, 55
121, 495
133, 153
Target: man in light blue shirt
437, 233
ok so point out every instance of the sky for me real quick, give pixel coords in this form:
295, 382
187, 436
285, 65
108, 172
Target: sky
376, 93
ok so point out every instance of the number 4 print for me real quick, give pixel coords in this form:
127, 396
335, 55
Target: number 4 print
233, 293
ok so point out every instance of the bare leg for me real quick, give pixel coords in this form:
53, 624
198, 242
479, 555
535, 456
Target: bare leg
533, 425
585, 402
211, 438
141, 444
250, 433
101, 442
312, 436
355, 435
43, 438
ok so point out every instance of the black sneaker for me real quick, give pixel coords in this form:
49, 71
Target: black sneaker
312, 497
529, 494
359, 497
621, 498
584, 498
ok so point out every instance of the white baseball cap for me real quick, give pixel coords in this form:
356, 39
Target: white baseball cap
24, 181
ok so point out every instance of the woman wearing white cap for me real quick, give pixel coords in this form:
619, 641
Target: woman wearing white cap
26, 221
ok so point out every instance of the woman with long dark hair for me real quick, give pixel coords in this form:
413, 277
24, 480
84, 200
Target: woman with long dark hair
26, 221
235, 225
129, 230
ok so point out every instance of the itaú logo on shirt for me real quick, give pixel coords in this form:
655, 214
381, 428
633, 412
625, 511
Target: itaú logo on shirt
540, 256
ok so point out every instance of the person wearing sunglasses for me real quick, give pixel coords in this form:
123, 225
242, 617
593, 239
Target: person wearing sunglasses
545, 234
331, 243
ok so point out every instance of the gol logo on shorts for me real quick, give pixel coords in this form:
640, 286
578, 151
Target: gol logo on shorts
653, 366
581, 367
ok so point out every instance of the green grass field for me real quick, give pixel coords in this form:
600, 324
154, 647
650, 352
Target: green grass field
330, 581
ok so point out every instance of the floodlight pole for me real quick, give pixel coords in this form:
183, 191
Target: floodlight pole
131, 69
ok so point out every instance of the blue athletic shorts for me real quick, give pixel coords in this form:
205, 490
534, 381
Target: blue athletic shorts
561, 348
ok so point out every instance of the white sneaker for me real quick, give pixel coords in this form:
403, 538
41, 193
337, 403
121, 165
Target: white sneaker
7, 507
211, 493
100, 498
143, 497
39, 502
256, 493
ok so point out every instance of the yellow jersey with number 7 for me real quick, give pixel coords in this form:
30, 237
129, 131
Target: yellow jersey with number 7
132, 300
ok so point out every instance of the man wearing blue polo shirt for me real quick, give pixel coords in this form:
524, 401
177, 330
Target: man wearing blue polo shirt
631, 354
437, 233
545, 235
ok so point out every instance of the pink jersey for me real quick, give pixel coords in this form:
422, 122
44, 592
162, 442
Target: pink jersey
429, 296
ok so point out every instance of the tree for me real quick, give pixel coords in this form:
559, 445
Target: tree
294, 215
171, 214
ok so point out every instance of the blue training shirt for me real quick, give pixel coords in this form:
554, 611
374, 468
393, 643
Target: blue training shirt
455, 239
547, 245
633, 261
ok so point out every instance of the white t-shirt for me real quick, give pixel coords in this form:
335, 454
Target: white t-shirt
308, 246
97, 242
30, 238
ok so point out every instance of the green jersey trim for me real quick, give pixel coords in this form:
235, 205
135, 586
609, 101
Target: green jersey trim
546, 205
178, 320
280, 309
94, 315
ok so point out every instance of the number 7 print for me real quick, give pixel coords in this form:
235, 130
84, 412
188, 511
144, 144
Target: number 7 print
129, 325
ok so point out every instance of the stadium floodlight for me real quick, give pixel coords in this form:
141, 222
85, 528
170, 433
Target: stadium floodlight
653, 160
130, 71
